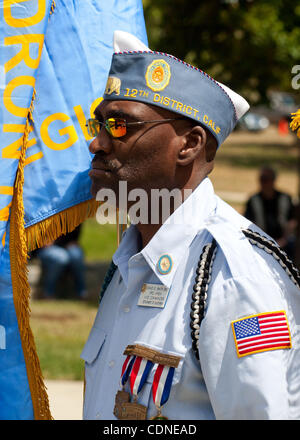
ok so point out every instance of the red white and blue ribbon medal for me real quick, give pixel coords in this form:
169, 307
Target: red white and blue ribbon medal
139, 373
135, 370
139, 363
161, 388
126, 369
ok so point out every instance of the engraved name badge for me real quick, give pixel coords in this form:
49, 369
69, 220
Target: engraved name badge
153, 295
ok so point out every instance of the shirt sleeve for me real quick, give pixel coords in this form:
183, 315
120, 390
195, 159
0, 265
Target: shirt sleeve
255, 386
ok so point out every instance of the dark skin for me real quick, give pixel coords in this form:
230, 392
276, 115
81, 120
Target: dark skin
176, 154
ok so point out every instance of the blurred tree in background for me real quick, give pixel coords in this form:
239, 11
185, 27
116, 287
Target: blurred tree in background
250, 45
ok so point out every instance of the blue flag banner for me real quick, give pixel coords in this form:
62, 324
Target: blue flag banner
55, 58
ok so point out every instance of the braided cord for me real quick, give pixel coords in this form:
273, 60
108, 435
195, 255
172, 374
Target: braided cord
199, 296
273, 249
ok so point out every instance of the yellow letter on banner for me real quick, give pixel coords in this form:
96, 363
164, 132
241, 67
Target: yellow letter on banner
94, 105
26, 21
7, 190
16, 82
82, 121
24, 53
4, 212
12, 151
70, 130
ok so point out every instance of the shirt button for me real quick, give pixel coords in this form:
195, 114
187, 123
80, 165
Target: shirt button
98, 415
111, 364
126, 309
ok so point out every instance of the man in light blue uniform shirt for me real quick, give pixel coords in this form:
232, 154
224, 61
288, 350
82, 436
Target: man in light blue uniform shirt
199, 314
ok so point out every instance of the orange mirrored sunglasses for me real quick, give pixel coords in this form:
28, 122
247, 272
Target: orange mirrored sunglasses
117, 127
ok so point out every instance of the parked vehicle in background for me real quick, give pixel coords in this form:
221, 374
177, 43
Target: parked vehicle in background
282, 102
278, 109
253, 122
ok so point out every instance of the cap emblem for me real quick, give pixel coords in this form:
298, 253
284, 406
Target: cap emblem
158, 75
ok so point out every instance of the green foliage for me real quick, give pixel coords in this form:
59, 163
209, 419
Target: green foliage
251, 45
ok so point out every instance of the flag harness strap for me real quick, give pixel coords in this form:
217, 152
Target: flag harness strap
203, 277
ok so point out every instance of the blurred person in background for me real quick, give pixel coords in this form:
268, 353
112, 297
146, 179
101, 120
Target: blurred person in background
273, 211
64, 253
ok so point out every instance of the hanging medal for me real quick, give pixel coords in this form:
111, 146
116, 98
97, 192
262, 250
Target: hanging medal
161, 388
136, 369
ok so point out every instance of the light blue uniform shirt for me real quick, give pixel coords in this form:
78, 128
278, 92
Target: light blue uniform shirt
245, 281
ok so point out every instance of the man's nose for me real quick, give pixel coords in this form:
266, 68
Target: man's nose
102, 142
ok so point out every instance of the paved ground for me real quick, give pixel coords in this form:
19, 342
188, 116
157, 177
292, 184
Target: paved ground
66, 399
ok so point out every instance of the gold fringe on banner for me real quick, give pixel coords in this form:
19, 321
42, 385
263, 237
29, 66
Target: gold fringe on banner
51, 228
295, 124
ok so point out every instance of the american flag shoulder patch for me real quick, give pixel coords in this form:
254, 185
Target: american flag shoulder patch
261, 332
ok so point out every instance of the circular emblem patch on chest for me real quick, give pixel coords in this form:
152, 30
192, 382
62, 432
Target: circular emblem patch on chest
164, 265
158, 75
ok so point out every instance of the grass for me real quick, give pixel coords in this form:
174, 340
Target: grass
60, 330
62, 327
99, 242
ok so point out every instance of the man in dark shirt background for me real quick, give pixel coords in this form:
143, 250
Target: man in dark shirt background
273, 211
65, 252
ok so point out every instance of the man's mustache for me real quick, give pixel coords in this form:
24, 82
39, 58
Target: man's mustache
105, 164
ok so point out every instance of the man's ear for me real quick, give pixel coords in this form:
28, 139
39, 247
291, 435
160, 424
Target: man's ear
193, 144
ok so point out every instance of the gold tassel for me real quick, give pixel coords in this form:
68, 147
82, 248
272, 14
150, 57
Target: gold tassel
21, 287
295, 124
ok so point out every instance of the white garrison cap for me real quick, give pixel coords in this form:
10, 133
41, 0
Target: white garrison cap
125, 42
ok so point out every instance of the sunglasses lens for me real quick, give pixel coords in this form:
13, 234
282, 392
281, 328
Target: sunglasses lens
93, 127
116, 127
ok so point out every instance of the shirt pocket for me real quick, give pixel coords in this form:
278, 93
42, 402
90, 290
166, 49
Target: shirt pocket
93, 345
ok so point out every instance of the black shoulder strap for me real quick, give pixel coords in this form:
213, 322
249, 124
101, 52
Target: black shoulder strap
273, 249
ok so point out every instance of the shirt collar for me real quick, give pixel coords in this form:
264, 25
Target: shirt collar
173, 238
